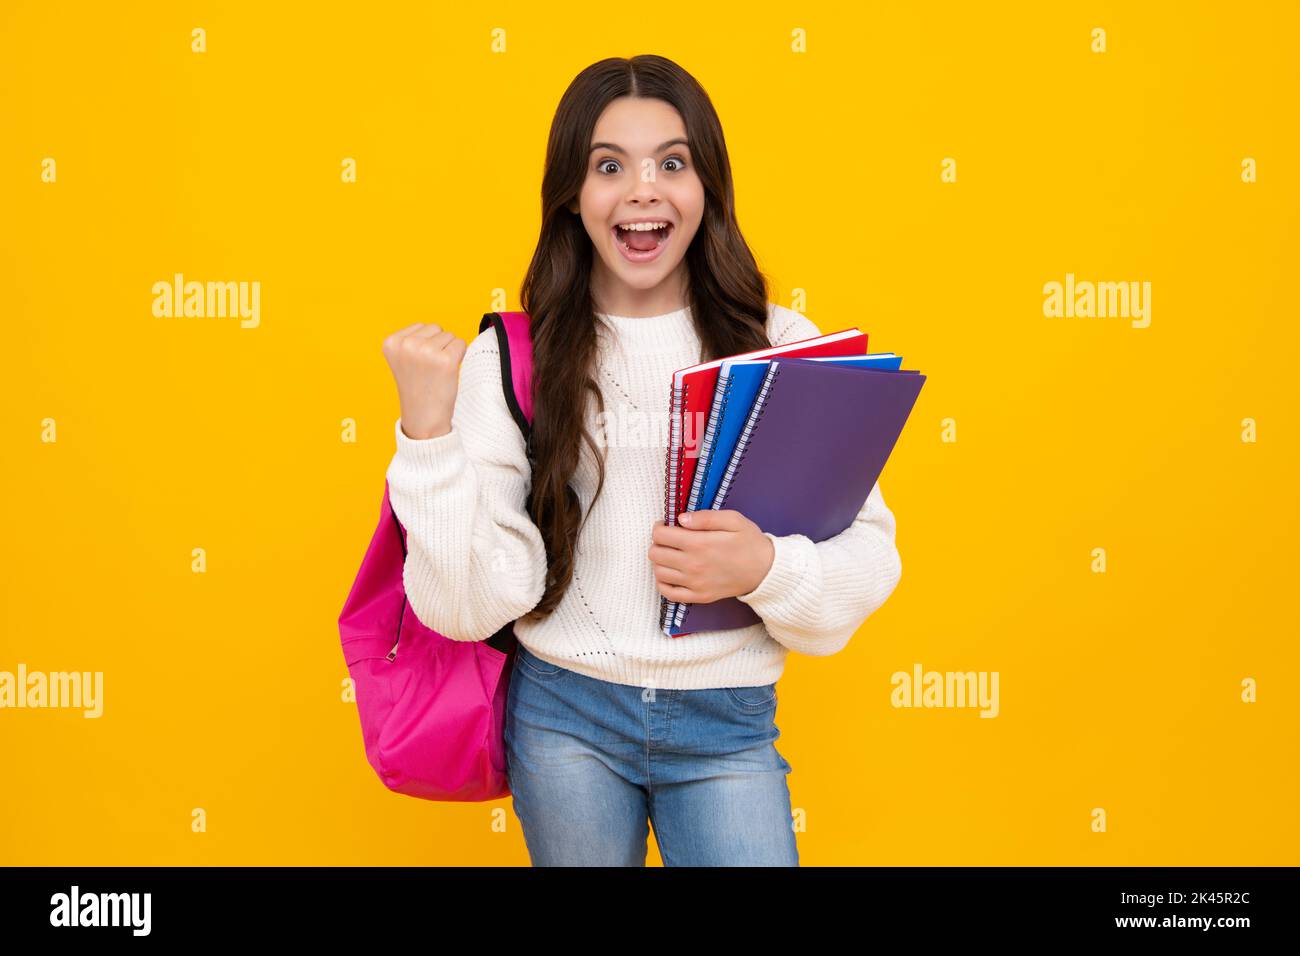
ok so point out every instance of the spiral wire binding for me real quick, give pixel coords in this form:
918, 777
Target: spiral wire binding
672, 471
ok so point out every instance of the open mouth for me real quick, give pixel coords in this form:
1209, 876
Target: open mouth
640, 244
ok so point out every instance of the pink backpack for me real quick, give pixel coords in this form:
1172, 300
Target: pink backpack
432, 709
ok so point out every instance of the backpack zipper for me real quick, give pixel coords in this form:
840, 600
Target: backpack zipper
401, 537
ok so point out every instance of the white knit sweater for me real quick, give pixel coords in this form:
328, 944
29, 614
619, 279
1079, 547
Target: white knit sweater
476, 561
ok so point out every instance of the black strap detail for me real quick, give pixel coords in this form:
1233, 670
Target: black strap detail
507, 378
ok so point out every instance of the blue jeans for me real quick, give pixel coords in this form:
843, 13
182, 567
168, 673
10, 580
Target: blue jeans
591, 761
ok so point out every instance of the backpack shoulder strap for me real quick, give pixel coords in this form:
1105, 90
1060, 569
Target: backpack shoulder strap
516, 346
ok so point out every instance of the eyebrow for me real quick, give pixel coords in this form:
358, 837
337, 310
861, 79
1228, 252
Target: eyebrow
619, 149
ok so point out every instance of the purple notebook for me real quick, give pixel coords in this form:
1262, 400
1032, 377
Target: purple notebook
814, 445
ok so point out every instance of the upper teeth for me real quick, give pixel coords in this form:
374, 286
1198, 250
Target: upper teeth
642, 226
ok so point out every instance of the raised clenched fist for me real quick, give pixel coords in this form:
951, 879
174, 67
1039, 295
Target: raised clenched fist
425, 360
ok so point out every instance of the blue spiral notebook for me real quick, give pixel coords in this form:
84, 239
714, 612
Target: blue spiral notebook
739, 381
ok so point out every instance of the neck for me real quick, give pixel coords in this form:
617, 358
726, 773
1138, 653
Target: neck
612, 296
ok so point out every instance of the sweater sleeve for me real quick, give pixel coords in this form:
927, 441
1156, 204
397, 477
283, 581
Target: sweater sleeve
817, 593
475, 560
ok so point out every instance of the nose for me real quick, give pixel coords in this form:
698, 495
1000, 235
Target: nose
643, 191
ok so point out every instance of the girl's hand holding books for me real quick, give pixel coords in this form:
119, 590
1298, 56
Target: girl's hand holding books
714, 554
425, 360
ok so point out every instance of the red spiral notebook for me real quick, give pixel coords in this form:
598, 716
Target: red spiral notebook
689, 405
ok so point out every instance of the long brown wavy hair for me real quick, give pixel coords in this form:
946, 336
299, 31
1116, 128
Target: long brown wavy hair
727, 293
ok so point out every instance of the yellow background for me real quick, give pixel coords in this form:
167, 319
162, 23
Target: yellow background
222, 690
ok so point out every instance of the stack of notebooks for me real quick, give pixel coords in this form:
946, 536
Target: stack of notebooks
796, 437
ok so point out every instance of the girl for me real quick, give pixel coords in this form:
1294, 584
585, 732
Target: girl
612, 726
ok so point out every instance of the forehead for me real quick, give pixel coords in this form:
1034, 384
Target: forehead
638, 124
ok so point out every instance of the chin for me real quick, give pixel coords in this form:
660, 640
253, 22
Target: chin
642, 279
